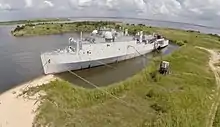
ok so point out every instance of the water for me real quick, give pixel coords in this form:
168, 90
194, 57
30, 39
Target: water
106, 75
20, 59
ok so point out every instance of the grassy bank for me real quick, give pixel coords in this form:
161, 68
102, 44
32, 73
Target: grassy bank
32, 21
58, 28
217, 118
152, 100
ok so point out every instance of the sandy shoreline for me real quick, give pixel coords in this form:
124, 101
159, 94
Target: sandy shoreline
18, 111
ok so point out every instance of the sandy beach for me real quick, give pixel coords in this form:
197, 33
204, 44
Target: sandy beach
18, 111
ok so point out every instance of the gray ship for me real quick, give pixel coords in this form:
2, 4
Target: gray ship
102, 47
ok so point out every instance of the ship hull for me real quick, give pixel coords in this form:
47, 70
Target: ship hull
63, 67
101, 54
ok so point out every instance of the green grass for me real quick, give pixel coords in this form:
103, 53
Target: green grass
217, 118
58, 28
176, 100
48, 29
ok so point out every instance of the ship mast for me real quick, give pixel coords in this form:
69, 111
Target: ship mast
79, 43
81, 35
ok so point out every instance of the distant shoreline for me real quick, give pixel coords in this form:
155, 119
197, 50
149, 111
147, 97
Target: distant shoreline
31, 29
71, 20
17, 22
167, 21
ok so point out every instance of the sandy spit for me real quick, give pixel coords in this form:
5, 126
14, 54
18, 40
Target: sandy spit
17, 111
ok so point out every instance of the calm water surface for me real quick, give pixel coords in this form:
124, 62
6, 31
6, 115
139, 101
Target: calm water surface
20, 58
106, 75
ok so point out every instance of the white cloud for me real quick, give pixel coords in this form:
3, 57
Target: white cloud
162, 7
84, 3
196, 10
49, 3
5, 6
203, 5
28, 3
181, 10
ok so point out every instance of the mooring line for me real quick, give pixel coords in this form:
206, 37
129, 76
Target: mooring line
92, 84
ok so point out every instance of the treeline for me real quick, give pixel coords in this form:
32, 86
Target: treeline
88, 24
21, 27
18, 28
34, 21
134, 28
192, 31
95, 23
84, 26
215, 35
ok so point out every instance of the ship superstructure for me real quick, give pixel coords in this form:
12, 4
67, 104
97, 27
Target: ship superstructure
100, 48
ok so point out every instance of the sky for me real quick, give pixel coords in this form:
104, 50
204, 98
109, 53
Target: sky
204, 12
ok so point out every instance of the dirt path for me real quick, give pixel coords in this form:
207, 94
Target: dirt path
18, 111
215, 57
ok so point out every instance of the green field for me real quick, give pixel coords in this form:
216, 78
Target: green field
32, 21
147, 99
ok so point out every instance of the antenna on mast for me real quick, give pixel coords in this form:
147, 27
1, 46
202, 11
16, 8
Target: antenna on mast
79, 43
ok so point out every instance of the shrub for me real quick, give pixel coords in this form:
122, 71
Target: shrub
158, 108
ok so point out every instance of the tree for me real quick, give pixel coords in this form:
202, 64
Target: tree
117, 27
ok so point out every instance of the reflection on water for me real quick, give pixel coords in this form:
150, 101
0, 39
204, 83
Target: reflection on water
105, 75
20, 57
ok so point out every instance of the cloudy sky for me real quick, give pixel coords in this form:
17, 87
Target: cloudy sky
206, 12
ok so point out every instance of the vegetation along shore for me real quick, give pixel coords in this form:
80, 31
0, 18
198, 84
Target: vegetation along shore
187, 97
31, 29
33, 21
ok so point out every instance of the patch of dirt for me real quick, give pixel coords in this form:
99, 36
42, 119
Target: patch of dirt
214, 59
